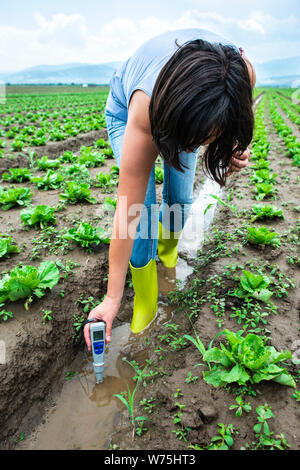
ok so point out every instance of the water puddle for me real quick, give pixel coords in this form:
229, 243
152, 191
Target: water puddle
85, 414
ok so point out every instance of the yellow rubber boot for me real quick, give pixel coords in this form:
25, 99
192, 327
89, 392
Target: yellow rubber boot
167, 246
144, 282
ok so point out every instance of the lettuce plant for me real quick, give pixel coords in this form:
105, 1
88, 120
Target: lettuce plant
17, 145
45, 163
91, 157
261, 164
101, 143
105, 181
68, 157
17, 175
115, 170
159, 175
253, 285
7, 245
265, 212
110, 204
245, 360
264, 190
52, 180
38, 141
108, 152
25, 281
262, 236
77, 174
14, 196
264, 176
77, 192
86, 235
40, 216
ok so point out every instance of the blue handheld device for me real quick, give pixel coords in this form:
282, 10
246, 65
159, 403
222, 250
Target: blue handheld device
98, 347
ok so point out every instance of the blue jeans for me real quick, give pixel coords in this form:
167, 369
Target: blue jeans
177, 197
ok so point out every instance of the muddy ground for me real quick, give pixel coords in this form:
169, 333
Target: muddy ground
37, 353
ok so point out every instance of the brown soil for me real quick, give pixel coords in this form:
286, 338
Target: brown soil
52, 150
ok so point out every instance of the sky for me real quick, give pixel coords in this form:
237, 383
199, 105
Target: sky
35, 32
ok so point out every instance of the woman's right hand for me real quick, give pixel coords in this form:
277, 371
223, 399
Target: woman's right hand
106, 311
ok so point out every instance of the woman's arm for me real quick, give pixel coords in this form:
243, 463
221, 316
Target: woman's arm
138, 157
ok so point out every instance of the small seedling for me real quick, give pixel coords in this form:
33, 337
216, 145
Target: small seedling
241, 406
191, 379
47, 316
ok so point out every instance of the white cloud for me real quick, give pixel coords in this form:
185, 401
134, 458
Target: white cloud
62, 29
67, 38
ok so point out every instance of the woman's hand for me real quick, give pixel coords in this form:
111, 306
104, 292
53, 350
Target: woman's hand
106, 311
238, 163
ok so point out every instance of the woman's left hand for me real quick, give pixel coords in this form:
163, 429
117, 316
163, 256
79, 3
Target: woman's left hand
238, 163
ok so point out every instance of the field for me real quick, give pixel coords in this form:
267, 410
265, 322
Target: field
211, 376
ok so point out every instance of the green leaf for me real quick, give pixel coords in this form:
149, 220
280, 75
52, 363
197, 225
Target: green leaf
141, 418
285, 379
218, 356
237, 374
207, 208
253, 282
40, 215
48, 274
278, 356
123, 400
18, 290
229, 441
199, 345
214, 377
257, 428
264, 295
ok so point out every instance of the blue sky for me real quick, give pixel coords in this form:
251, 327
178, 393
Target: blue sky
34, 32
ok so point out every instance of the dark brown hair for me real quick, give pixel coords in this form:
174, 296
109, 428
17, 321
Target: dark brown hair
204, 90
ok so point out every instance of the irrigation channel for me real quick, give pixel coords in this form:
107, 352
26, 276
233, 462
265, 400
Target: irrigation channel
84, 414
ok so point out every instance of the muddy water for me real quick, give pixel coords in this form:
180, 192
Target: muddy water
84, 414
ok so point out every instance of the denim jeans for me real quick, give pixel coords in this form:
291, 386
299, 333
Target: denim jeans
177, 197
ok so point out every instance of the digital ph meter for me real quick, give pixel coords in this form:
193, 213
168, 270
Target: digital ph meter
98, 347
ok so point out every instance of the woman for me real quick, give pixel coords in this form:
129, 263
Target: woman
180, 90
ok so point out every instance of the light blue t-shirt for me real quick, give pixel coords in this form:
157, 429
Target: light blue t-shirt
141, 70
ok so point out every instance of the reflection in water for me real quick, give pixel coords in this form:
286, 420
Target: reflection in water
197, 224
85, 413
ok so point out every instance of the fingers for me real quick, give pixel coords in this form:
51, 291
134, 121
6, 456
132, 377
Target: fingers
238, 163
108, 332
87, 336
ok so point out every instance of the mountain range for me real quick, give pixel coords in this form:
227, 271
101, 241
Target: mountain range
280, 72
77, 73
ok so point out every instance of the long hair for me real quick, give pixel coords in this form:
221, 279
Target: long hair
203, 91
